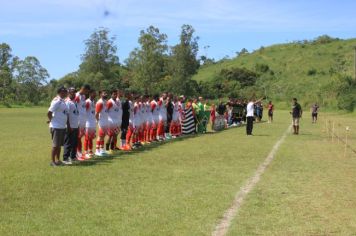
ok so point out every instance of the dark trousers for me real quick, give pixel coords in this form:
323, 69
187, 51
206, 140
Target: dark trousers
124, 127
70, 144
249, 125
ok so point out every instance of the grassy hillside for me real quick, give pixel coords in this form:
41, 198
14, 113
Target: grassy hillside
299, 69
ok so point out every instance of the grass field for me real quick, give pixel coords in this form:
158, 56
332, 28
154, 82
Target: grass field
178, 188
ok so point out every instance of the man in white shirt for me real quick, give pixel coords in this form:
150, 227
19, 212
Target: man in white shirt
57, 120
250, 115
71, 137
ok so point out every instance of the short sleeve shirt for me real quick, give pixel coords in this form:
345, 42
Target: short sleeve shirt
59, 111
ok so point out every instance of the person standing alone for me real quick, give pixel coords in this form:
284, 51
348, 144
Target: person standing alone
314, 111
250, 115
296, 115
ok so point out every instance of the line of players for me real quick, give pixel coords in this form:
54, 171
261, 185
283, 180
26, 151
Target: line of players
139, 119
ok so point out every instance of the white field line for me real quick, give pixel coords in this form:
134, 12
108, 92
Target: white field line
223, 226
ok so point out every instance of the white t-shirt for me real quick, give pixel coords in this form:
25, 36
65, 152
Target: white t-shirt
250, 109
73, 113
59, 111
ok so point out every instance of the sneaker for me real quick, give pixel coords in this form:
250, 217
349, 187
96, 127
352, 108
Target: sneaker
110, 152
103, 152
173, 136
98, 153
67, 162
79, 155
53, 164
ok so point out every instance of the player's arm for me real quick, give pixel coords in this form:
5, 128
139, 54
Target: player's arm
109, 105
87, 106
98, 109
49, 116
51, 109
301, 111
153, 106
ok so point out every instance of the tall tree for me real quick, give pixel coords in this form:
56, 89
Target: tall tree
6, 61
99, 61
148, 61
30, 77
184, 62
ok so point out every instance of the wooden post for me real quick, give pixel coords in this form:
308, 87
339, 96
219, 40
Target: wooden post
332, 132
347, 132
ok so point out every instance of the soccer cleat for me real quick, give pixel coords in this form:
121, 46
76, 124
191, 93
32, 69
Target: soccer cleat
87, 156
79, 155
81, 158
127, 148
110, 152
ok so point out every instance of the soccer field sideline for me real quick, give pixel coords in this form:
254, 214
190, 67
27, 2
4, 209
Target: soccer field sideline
222, 228
168, 189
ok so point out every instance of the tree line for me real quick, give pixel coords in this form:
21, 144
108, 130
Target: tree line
152, 67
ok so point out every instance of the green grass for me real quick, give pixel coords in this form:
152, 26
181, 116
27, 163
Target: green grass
309, 189
178, 188
291, 63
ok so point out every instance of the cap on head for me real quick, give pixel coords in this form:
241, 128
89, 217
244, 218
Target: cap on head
61, 89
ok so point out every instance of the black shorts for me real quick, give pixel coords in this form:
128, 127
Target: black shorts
315, 115
270, 113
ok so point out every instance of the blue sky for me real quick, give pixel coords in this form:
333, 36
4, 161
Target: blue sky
54, 30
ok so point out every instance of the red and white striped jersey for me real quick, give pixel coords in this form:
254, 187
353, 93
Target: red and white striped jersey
101, 108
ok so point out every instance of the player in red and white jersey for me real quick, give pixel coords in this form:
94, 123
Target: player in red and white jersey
149, 119
143, 119
155, 117
101, 115
175, 123
114, 117
131, 130
80, 99
120, 115
90, 125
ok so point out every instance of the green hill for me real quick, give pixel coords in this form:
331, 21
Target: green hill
300, 69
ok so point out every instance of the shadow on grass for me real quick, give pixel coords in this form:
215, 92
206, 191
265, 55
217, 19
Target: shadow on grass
122, 155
